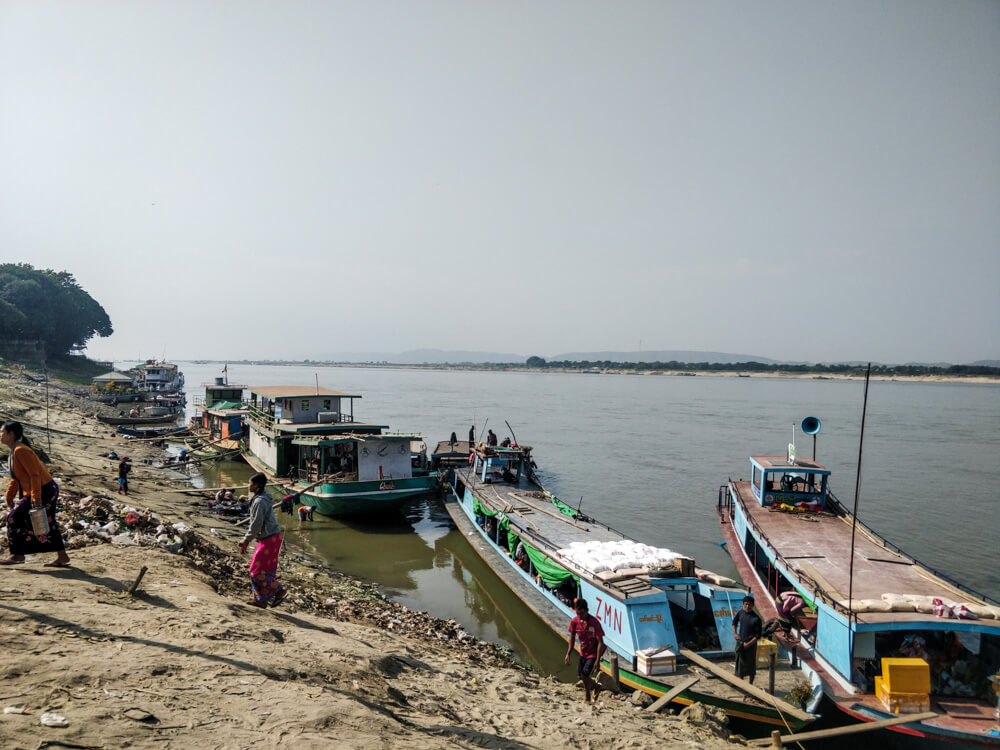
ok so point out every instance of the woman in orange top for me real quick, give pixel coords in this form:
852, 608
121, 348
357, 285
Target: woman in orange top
30, 485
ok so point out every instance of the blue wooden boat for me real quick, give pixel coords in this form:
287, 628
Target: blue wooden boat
342, 467
787, 532
665, 621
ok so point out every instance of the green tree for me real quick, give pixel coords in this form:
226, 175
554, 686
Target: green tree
50, 306
535, 362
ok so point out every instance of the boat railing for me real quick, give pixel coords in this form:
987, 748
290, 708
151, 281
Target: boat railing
833, 502
262, 418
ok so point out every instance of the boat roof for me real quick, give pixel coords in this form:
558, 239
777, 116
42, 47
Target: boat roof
780, 462
115, 376
817, 547
332, 428
296, 391
352, 437
225, 405
447, 448
226, 411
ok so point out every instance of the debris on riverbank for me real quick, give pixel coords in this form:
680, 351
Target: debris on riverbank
184, 661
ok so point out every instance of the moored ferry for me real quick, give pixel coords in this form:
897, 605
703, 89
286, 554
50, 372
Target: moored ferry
340, 466
888, 638
668, 626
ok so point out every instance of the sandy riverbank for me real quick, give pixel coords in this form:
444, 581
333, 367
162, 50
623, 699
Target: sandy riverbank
186, 662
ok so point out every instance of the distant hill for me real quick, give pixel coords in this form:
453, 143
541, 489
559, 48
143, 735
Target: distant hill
659, 356
985, 363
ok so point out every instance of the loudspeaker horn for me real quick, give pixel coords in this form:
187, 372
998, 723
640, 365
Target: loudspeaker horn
811, 425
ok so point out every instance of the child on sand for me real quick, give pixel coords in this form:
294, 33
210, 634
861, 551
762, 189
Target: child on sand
591, 647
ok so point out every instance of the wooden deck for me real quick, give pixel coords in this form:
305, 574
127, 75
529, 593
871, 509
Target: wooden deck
459, 447
818, 546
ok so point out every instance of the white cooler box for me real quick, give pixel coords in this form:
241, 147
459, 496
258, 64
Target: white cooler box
651, 661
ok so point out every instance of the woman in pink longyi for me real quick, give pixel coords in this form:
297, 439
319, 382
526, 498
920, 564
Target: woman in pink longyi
267, 589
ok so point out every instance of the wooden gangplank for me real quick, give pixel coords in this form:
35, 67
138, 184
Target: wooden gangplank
676, 690
869, 726
745, 687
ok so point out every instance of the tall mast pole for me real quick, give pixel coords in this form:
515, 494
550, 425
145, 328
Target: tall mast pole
854, 518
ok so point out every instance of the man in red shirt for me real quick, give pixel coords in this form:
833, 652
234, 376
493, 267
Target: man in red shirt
591, 646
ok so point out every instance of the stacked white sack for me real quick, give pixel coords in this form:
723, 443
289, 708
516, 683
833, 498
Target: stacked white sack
598, 557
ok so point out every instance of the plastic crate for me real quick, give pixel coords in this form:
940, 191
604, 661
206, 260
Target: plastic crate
901, 703
665, 662
765, 648
906, 675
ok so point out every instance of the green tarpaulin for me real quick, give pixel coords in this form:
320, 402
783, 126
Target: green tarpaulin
553, 574
563, 508
479, 509
225, 405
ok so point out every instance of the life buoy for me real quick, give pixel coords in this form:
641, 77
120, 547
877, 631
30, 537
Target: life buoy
472, 458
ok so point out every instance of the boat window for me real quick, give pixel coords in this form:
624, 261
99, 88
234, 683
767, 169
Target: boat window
756, 477
326, 404
305, 406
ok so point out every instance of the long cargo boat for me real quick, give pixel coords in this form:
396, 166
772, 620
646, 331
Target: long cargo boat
896, 637
341, 467
161, 419
665, 622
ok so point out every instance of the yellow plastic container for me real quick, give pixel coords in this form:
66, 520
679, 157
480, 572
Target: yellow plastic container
765, 648
901, 703
906, 675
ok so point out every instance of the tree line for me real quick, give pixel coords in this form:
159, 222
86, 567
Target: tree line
50, 307
761, 367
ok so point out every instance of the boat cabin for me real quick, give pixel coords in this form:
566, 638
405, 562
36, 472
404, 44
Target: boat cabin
225, 422
159, 376
113, 381
302, 405
777, 481
222, 391
310, 432
362, 457
222, 403
493, 464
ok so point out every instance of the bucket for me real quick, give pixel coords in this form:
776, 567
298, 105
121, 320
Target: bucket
39, 521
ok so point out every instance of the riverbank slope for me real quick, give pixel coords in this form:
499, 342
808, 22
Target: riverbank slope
186, 662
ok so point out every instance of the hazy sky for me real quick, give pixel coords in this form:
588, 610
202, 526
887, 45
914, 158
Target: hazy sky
795, 180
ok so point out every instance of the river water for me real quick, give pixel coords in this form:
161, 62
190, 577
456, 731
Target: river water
647, 454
